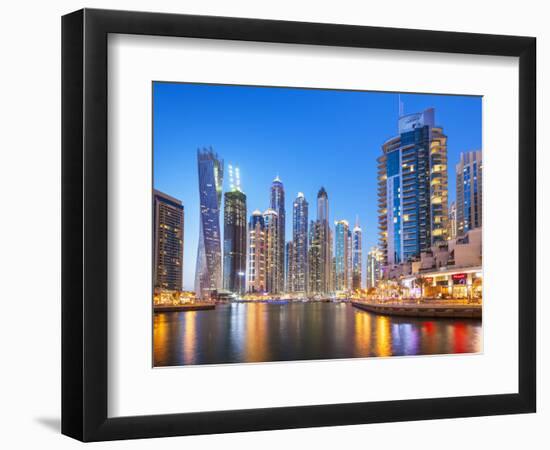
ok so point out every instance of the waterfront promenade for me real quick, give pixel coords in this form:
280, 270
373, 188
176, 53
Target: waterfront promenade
448, 309
184, 307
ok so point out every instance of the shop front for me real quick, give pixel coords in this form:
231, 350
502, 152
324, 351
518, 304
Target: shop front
452, 284
460, 285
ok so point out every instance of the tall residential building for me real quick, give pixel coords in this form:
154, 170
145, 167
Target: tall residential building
342, 255
316, 273
272, 252
208, 273
290, 266
412, 189
257, 253
277, 203
321, 268
375, 260
452, 233
234, 237
357, 256
300, 243
168, 242
349, 260
469, 178
330, 261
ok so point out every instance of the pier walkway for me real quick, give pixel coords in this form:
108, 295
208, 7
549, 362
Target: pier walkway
439, 309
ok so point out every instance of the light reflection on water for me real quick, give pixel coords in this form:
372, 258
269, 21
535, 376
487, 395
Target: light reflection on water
258, 332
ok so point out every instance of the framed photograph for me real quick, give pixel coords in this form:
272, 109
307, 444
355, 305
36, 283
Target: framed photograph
273, 224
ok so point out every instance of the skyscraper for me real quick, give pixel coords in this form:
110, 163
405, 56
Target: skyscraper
290, 267
257, 253
322, 206
412, 189
329, 285
349, 261
469, 178
315, 267
272, 251
208, 274
342, 256
357, 256
168, 242
277, 203
300, 242
234, 236
324, 237
375, 260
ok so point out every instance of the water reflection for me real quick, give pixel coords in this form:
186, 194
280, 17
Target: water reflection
256, 332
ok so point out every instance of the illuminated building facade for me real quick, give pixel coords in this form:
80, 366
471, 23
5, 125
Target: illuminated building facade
290, 267
469, 192
234, 237
208, 274
324, 237
413, 189
357, 256
277, 203
316, 268
342, 255
375, 260
168, 242
256, 253
300, 244
272, 251
453, 229
349, 261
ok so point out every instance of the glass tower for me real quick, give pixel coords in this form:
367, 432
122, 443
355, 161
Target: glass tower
341, 255
357, 256
349, 261
208, 272
234, 241
326, 241
277, 203
272, 251
412, 189
468, 192
300, 243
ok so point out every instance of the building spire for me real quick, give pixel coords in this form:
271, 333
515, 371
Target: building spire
357, 226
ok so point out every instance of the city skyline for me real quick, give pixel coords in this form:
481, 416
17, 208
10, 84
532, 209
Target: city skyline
348, 171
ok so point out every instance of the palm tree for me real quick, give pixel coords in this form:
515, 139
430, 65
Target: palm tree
421, 282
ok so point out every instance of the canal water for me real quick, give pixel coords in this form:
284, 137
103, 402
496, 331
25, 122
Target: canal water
258, 332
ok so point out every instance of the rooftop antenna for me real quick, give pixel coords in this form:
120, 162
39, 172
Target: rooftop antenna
401, 107
357, 226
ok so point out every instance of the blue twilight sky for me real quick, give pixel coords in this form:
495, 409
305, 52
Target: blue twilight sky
309, 137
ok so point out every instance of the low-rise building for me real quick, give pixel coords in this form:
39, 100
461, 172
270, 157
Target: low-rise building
453, 270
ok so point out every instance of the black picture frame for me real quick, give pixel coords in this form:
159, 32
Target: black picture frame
84, 224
